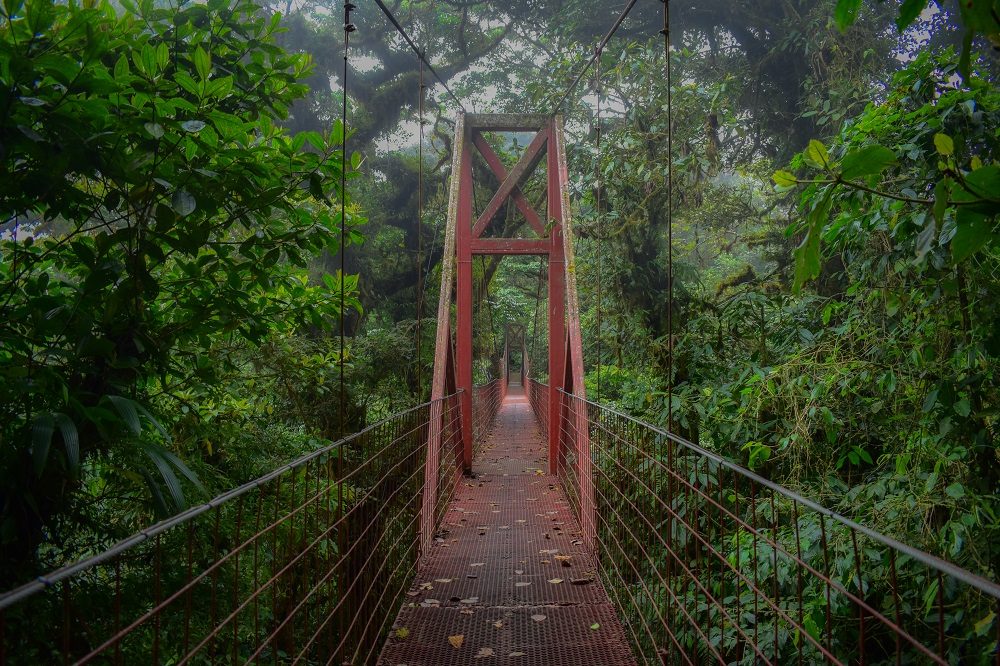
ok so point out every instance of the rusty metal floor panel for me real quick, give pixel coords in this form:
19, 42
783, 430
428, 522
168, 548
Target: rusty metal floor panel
509, 574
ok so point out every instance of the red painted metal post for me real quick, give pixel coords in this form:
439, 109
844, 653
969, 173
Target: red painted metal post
443, 382
574, 382
464, 301
557, 307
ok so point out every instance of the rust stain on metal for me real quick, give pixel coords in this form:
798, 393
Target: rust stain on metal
507, 533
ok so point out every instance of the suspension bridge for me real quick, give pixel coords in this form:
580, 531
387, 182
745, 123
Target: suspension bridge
512, 522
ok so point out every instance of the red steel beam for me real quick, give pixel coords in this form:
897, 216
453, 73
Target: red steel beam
443, 382
500, 171
524, 167
557, 308
511, 246
463, 307
574, 340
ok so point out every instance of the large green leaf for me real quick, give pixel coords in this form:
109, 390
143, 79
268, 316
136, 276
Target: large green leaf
807, 254
816, 154
845, 13
909, 10
127, 410
972, 231
41, 440
867, 161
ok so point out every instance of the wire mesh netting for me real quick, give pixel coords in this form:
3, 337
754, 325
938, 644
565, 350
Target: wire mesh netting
486, 401
709, 562
304, 565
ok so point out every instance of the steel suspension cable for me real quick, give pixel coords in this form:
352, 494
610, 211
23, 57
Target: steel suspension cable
342, 535
420, 223
671, 483
670, 216
348, 29
420, 54
489, 309
599, 226
600, 48
538, 300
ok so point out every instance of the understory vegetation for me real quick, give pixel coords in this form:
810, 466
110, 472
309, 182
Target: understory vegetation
170, 223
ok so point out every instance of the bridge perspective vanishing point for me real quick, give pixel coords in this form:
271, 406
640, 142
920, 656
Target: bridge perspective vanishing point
516, 522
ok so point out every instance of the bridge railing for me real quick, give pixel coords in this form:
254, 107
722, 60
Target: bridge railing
538, 397
710, 562
307, 564
486, 401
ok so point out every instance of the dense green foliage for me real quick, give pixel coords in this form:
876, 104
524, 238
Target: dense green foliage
160, 225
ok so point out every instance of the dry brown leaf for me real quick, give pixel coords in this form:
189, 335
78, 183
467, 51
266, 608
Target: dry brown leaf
456, 641
478, 564
538, 618
484, 652
555, 581
466, 611
498, 624
517, 654
522, 584
443, 580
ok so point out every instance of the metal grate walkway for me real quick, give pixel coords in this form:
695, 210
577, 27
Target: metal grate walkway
508, 579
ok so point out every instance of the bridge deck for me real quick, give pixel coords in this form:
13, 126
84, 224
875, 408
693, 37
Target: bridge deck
508, 579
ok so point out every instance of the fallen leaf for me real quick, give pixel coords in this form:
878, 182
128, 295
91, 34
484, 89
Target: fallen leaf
522, 584
478, 564
517, 654
442, 580
426, 586
470, 600
484, 652
519, 571
548, 552
466, 611
498, 624
538, 618
402, 632
555, 581
595, 626
456, 641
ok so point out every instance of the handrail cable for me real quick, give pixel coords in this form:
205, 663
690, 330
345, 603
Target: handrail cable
8, 599
600, 48
420, 54
984, 585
